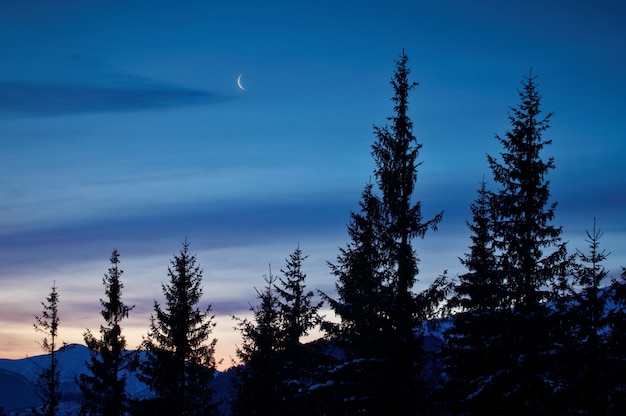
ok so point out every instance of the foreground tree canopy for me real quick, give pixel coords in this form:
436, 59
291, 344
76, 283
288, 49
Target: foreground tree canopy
528, 328
104, 390
180, 356
48, 383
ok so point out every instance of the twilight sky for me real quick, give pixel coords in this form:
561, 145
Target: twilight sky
122, 126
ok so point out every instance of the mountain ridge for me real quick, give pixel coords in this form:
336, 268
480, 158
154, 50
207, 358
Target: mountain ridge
18, 377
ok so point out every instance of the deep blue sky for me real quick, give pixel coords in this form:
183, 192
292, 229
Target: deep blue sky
122, 126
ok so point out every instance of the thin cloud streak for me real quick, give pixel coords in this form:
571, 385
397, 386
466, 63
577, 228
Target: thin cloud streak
48, 99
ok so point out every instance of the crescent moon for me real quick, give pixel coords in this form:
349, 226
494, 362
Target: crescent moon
239, 82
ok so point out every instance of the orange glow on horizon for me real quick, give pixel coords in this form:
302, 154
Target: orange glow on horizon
20, 341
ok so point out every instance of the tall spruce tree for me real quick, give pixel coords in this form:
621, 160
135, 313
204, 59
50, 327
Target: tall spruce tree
477, 301
362, 275
298, 315
480, 288
616, 348
523, 214
586, 353
529, 257
180, 363
48, 382
277, 367
258, 384
379, 269
104, 389
395, 153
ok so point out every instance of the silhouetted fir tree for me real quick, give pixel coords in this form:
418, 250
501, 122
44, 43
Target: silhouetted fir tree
298, 314
530, 256
180, 363
362, 273
379, 269
477, 302
564, 324
523, 214
395, 153
104, 389
48, 382
258, 384
482, 287
585, 361
616, 346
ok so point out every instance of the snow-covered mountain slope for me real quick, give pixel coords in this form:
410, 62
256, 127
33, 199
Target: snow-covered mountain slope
16, 391
18, 377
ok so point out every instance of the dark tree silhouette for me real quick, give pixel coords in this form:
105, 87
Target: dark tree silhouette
180, 357
529, 257
585, 366
481, 288
48, 382
298, 315
258, 384
362, 275
522, 212
377, 271
104, 388
477, 302
616, 349
277, 368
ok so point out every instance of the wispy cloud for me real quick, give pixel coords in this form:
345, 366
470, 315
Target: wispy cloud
49, 99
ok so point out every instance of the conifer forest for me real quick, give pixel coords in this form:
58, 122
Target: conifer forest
531, 327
